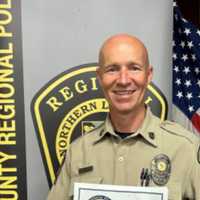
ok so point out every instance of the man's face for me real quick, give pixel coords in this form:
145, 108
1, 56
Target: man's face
124, 76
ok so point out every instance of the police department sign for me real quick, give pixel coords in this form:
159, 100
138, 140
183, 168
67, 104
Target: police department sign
69, 106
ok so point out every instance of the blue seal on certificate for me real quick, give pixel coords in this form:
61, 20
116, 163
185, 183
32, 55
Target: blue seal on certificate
99, 197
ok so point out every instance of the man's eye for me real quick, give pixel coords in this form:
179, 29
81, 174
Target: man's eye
135, 68
111, 69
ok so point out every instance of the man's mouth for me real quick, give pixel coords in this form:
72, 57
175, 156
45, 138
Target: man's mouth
123, 92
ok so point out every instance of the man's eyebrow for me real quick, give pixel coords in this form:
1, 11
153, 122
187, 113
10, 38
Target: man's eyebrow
126, 64
112, 65
134, 63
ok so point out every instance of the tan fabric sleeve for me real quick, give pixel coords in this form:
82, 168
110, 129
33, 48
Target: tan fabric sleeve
193, 186
61, 187
195, 177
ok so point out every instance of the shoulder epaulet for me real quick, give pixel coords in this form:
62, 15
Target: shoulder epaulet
95, 129
91, 133
177, 129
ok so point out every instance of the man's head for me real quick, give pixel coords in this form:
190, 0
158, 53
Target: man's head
124, 72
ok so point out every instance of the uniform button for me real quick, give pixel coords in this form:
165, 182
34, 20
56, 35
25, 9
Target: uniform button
121, 158
152, 135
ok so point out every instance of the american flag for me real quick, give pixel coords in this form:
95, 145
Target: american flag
186, 73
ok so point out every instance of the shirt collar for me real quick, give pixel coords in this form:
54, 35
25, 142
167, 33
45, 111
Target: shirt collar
147, 129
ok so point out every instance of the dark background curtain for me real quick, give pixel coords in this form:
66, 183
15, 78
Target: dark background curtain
190, 10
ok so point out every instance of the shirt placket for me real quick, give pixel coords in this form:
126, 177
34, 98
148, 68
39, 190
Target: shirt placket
120, 163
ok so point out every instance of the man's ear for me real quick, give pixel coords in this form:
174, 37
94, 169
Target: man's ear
150, 73
98, 73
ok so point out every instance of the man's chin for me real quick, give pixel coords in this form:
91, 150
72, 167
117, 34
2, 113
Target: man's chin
124, 109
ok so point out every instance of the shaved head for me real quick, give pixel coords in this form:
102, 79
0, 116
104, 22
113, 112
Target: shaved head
121, 40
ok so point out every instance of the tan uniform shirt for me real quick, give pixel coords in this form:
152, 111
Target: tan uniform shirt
165, 148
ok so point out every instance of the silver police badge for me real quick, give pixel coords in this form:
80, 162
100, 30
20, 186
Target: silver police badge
160, 169
99, 197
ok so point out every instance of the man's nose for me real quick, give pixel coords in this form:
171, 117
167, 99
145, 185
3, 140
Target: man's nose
124, 77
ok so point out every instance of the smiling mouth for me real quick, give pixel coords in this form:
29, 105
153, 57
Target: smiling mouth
123, 92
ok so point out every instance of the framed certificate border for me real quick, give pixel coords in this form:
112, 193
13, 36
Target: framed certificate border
85, 191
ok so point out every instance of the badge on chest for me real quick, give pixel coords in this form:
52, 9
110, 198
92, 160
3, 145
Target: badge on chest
160, 169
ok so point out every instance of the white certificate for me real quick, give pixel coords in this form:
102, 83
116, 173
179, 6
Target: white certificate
85, 191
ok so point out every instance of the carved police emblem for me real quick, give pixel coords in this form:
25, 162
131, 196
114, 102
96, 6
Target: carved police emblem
69, 106
99, 197
160, 169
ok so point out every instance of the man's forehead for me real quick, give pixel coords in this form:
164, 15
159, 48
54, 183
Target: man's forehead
122, 44
121, 47
122, 39
124, 52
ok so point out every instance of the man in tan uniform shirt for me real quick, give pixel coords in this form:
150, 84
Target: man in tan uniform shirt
132, 147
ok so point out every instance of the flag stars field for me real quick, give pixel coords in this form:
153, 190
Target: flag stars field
174, 56
187, 31
182, 44
193, 57
186, 71
176, 68
189, 95
198, 32
179, 94
197, 71
190, 44
191, 108
198, 82
184, 57
178, 81
187, 83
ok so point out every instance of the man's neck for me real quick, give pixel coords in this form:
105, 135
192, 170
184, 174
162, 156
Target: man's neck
128, 122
